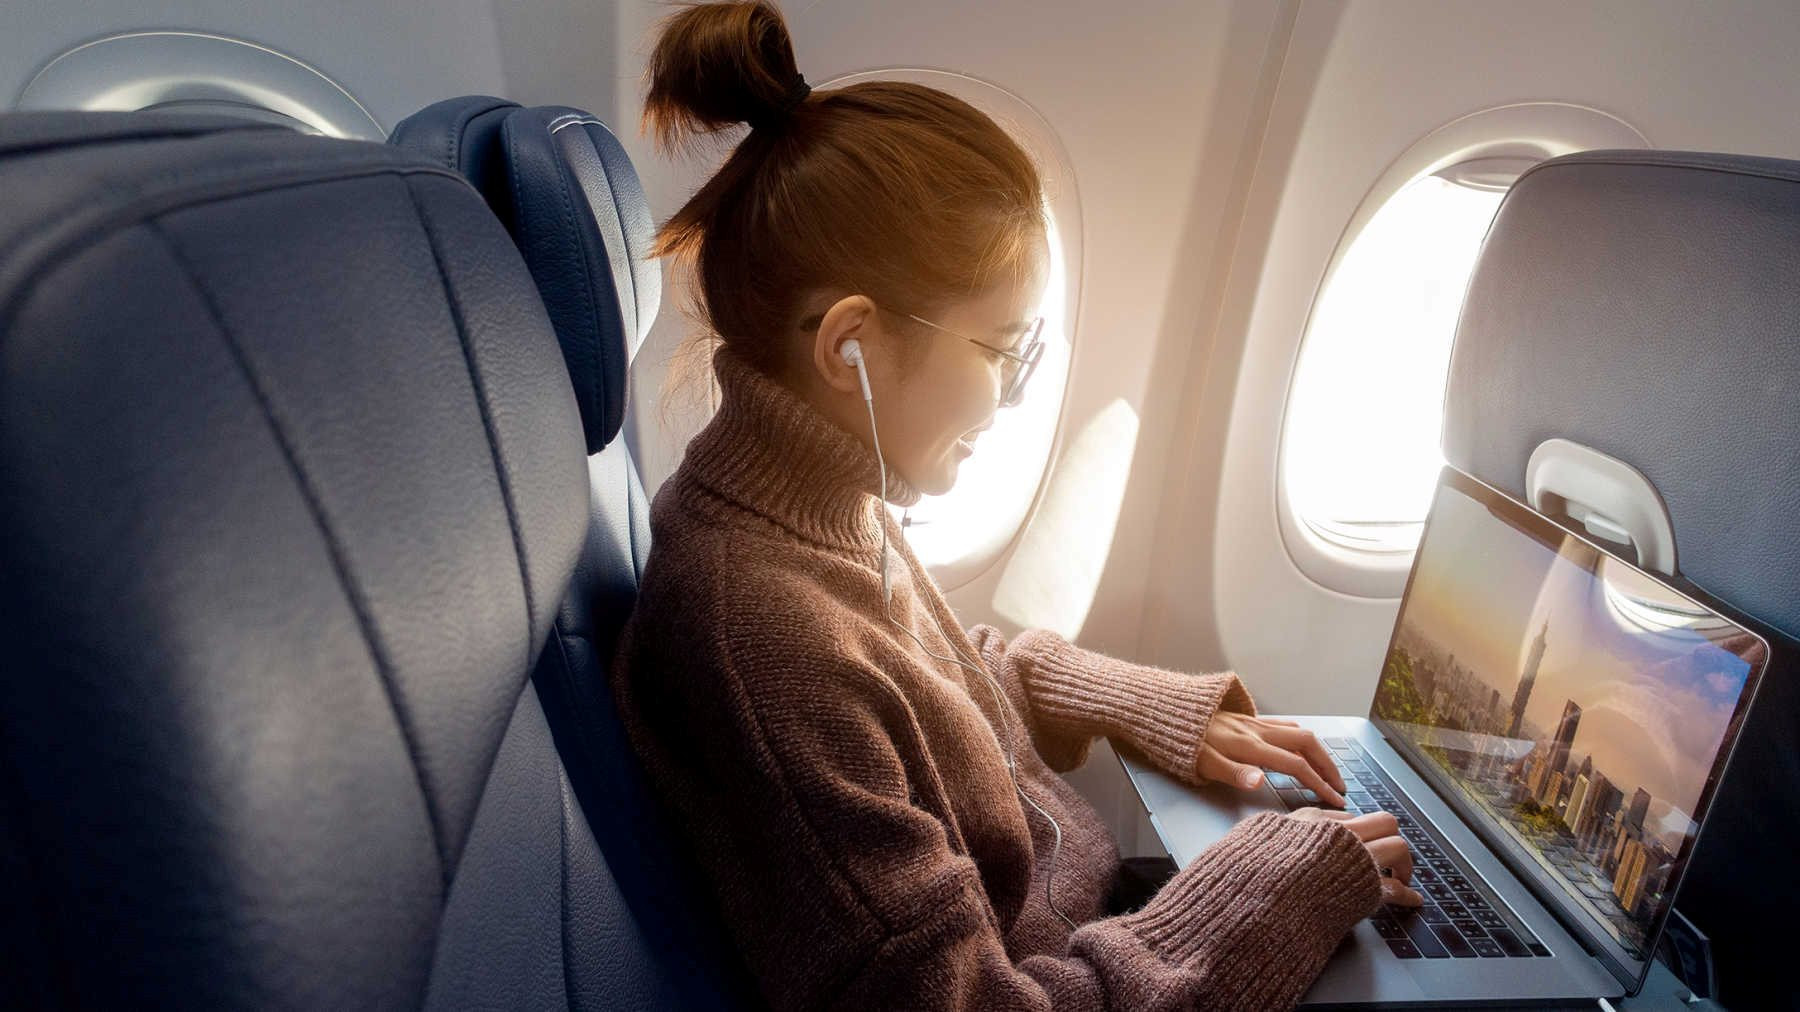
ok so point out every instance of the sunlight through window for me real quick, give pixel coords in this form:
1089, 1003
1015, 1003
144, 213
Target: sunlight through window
1361, 451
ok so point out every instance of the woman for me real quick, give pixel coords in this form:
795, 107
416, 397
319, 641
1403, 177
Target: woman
870, 791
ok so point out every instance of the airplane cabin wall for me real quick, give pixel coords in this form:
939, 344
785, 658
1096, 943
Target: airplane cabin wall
1362, 82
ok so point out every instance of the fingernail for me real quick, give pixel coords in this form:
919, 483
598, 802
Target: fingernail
1252, 778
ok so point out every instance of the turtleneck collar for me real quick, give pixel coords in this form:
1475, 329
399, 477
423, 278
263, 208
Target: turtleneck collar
770, 452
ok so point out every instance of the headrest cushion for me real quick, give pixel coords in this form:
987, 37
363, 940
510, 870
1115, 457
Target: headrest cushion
567, 192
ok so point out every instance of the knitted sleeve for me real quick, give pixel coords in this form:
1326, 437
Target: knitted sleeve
1247, 926
801, 780
1070, 696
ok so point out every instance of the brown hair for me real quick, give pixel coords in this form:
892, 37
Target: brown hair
896, 191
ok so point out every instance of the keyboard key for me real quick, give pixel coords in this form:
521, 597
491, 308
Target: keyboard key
1469, 926
1420, 933
1475, 901
1489, 919
1453, 940
1437, 891
1458, 883
1386, 926
1403, 948
1487, 947
1509, 943
1424, 874
1455, 910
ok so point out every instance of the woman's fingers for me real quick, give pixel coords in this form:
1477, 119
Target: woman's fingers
1280, 759
1391, 852
1308, 745
1374, 826
1395, 894
1380, 836
1215, 766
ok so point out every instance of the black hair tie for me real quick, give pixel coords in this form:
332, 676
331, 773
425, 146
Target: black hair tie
777, 114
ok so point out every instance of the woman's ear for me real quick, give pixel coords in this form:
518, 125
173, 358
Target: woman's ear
853, 316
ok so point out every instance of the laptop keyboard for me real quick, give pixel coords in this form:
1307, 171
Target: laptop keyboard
1462, 918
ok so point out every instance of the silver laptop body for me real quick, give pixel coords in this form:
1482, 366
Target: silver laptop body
1522, 901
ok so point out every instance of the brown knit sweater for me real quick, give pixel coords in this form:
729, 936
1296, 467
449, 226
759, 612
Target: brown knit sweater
847, 795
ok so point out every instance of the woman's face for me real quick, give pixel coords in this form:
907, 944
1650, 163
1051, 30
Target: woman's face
946, 389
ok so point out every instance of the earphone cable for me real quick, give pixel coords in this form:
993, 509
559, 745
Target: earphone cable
1000, 703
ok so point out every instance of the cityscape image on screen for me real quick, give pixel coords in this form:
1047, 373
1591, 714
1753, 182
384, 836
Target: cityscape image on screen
1576, 705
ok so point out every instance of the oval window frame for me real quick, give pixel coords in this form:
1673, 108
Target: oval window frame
132, 71
1532, 131
1011, 110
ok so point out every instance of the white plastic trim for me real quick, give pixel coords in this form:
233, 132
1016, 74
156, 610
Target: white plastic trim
1608, 496
137, 70
1524, 133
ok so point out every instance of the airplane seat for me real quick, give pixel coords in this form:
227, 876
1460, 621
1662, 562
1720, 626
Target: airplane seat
292, 492
565, 189
1643, 303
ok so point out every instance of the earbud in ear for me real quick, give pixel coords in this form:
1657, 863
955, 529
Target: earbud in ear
851, 352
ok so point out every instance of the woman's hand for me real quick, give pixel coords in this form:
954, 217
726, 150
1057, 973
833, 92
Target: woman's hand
1238, 746
1380, 833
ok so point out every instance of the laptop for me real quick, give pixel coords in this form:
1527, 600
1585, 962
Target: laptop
1549, 728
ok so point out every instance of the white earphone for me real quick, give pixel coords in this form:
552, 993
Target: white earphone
852, 354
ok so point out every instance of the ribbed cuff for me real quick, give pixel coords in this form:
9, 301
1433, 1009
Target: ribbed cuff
1162, 714
1258, 913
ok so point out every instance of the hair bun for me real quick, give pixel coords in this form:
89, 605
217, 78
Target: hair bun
719, 64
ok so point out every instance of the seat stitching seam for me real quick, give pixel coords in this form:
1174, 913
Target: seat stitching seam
570, 213
587, 289
334, 549
501, 475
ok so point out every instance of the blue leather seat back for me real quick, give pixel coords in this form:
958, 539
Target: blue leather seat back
567, 192
1644, 303
293, 489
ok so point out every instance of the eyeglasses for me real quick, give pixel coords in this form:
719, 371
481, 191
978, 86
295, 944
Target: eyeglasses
1018, 366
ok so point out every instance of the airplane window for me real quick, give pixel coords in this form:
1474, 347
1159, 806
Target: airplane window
961, 534
1360, 455
199, 72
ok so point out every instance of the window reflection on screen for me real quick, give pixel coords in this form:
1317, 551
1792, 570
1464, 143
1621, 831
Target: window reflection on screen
1577, 706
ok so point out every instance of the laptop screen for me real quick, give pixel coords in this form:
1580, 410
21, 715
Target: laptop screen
1576, 711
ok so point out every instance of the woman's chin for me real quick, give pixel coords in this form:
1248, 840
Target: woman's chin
940, 480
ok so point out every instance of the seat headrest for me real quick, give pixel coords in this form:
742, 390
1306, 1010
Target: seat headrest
565, 189
1643, 303
293, 486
